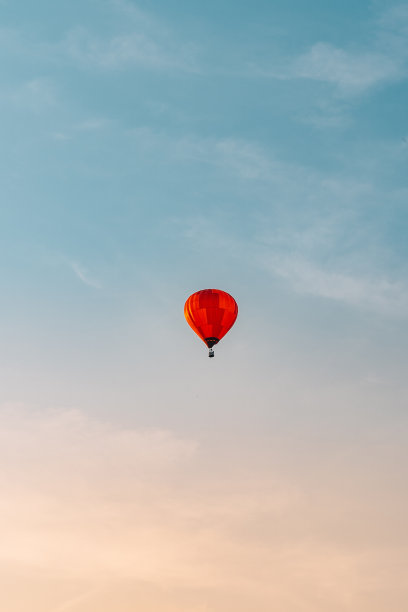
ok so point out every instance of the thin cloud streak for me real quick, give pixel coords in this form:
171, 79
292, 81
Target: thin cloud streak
82, 274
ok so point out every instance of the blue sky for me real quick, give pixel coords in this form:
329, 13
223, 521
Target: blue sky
151, 149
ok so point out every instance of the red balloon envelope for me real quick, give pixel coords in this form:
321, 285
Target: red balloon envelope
211, 313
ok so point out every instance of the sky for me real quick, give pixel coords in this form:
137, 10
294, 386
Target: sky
151, 149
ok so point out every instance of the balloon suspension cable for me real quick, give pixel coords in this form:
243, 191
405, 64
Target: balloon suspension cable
211, 352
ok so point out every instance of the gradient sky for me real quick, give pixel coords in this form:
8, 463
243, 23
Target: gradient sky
151, 149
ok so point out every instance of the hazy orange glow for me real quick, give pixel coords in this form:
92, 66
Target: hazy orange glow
94, 517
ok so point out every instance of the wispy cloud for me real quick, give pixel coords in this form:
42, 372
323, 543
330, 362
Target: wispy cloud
309, 273
344, 74
351, 73
355, 69
393, 30
36, 95
91, 124
122, 51
83, 275
308, 228
378, 294
133, 39
139, 40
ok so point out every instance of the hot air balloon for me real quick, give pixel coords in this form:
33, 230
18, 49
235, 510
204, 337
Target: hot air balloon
211, 313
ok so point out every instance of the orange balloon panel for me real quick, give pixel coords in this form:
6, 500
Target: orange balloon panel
211, 313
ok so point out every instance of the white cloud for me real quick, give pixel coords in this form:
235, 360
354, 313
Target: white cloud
236, 157
132, 39
393, 30
36, 95
378, 294
345, 73
139, 41
135, 49
351, 73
